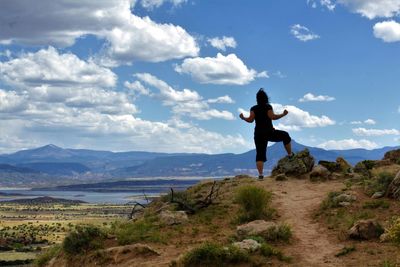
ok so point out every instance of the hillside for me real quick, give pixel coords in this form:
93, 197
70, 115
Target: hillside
45, 165
310, 217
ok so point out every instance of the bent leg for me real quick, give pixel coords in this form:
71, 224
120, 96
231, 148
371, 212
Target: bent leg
282, 136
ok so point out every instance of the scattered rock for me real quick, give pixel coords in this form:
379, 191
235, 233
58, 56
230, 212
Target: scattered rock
393, 156
365, 230
344, 165
319, 173
331, 166
258, 227
343, 198
281, 177
173, 217
393, 190
364, 167
249, 245
384, 237
301, 163
344, 204
378, 195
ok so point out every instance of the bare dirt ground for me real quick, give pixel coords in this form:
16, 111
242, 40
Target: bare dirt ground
295, 201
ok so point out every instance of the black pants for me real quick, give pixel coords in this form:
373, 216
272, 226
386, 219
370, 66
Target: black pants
261, 141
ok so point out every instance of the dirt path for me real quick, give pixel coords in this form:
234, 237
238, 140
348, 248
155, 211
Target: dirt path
296, 200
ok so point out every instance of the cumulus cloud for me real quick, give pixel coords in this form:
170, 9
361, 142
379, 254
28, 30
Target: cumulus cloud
298, 118
310, 97
348, 144
375, 132
186, 102
388, 31
128, 37
302, 33
373, 8
219, 70
222, 100
137, 87
151, 4
10, 101
47, 66
222, 43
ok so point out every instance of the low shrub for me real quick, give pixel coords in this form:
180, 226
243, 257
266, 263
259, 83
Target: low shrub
330, 201
379, 183
255, 203
345, 250
375, 204
282, 232
83, 239
211, 254
128, 232
43, 258
269, 251
393, 230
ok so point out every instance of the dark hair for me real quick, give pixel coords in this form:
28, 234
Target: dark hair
262, 97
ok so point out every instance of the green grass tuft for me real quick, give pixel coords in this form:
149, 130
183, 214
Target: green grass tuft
83, 239
375, 204
255, 203
43, 258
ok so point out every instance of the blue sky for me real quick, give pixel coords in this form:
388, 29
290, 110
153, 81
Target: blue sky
173, 75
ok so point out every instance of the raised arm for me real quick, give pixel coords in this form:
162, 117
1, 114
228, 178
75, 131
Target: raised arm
250, 118
274, 116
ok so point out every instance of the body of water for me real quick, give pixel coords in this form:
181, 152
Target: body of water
104, 193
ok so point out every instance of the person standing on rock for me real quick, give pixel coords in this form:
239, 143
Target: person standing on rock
264, 131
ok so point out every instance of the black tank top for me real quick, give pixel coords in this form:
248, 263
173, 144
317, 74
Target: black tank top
263, 122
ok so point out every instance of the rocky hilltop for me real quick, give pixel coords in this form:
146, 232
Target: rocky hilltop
308, 213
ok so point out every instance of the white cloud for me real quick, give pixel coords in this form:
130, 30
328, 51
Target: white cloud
222, 100
310, 97
10, 101
388, 31
222, 43
348, 144
373, 8
246, 113
151, 4
303, 33
375, 132
367, 121
298, 118
219, 70
137, 87
47, 66
370, 121
128, 37
186, 102
329, 4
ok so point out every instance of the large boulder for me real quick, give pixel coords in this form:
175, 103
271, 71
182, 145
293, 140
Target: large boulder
300, 163
248, 245
254, 228
393, 190
319, 173
365, 230
344, 165
173, 217
393, 156
331, 166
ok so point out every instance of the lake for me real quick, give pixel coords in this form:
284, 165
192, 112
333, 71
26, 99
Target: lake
120, 192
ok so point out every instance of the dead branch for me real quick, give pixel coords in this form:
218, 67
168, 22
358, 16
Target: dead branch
134, 210
181, 203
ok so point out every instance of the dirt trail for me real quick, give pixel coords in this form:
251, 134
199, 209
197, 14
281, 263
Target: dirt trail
296, 200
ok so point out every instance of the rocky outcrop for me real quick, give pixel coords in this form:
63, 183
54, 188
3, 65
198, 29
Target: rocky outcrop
393, 156
248, 245
173, 217
329, 165
344, 165
254, 228
301, 163
393, 190
319, 173
365, 230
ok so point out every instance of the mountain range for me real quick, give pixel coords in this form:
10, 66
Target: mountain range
53, 165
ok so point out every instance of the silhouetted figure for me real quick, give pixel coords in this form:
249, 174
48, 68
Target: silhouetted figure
264, 131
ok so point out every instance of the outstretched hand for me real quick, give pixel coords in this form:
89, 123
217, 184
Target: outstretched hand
241, 116
285, 112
